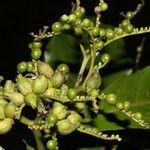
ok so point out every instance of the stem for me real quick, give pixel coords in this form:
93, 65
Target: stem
37, 135
93, 56
135, 32
26, 121
84, 63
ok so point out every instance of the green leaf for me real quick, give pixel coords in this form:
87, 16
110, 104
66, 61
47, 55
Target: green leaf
134, 88
111, 77
62, 49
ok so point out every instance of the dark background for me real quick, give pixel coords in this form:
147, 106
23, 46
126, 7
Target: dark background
20, 17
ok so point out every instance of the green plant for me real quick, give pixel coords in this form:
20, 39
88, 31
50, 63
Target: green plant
41, 86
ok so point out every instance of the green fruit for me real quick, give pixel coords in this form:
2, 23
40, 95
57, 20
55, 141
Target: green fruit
95, 31
45, 69
103, 6
111, 99
65, 127
36, 53
36, 44
3, 102
10, 110
59, 110
57, 27
22, 67
39, 84
94, 92
128, 28
72, 18
72, 93
75, 119
78, 13
102, 32
31, 100
51, 144
31, 66
105, 58
66, 27
138, 116
24, 85
129, 15
58, 79
64, 68
86, 23
127, 105
93, 82
118, 31
64, 17
119, 105
109, 34
2, 112
125, 22
6, 125
15, 97
9, 86
99, 45
82, 9
52, 118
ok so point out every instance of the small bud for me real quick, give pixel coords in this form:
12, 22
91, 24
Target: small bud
2, 114
59, 110
15, 97
6, 125
74, 118
31, 100
58, 79
24, 85
65, 127
9, 86
45, 69
50, 92
10, 110
3, 102
40, 84
94, 81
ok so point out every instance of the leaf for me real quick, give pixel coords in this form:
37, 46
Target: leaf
134, 88
62, 48
111, 77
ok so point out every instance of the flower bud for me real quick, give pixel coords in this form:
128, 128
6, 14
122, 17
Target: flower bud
74, 118
3, 102
31, 100
15, 97
2, 113
6, 125
39, 85
50, 92
45, 69
58, 79
59, 110
94, 81
24, 85
9, 86
10, 110
65, 127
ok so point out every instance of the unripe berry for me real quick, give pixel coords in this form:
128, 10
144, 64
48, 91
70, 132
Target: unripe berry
72, 93
111, 99
105, 58
10, 110
57, 27
138, 116
22, 67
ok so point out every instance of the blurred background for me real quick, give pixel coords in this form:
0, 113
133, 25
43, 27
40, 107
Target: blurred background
19, 18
